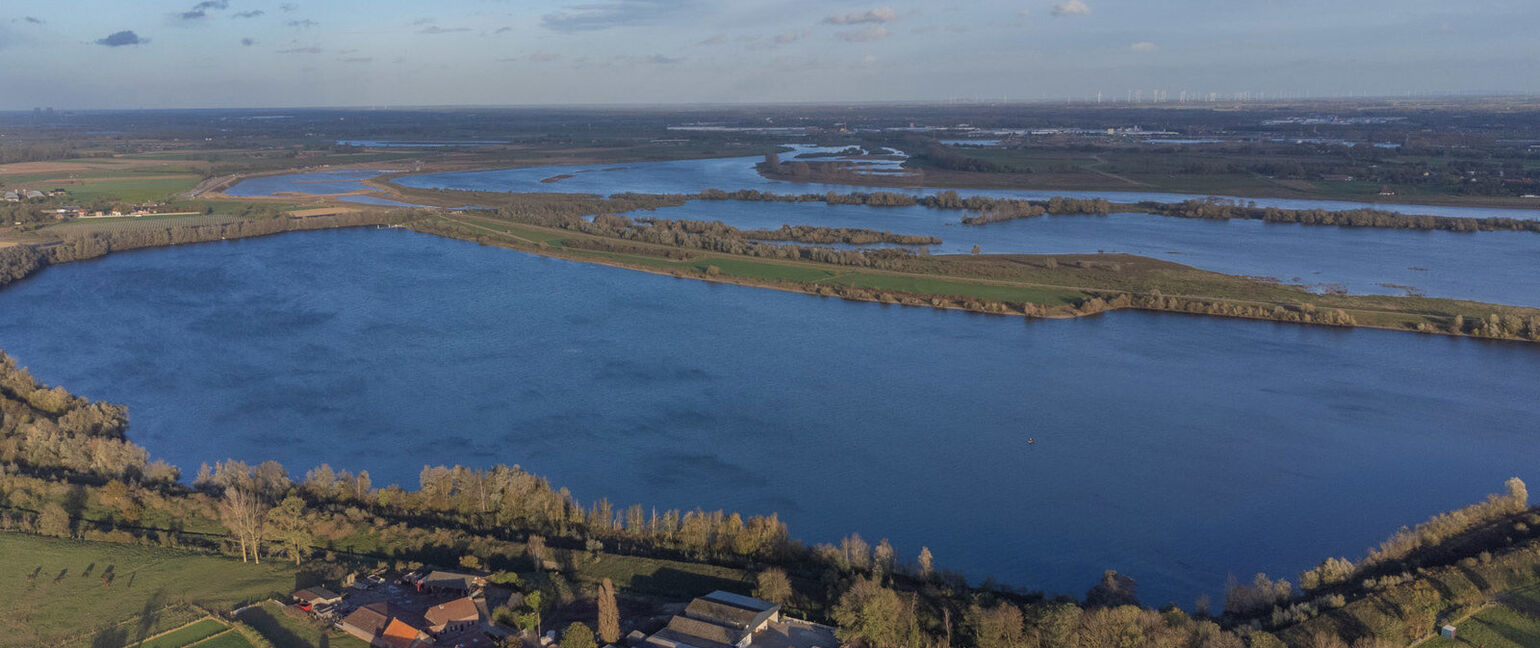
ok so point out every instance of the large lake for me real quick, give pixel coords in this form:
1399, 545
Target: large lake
1176, 449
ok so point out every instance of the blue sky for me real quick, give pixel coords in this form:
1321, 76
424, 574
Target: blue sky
234, 53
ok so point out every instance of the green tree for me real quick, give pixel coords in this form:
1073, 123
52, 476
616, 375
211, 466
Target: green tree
529, 620
287, 526
609, 613
996, 627
577, 635
774, 586
54, 521
871, 614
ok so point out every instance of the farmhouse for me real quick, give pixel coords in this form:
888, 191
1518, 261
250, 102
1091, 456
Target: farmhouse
717, 620
387, 626
450, 581
460, 614
313, 596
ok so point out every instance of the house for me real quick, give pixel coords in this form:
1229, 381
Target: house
454, 616
387, 626
717, 620
450, 581
312, 596
33, 194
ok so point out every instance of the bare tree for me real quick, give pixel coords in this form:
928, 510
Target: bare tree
244, 513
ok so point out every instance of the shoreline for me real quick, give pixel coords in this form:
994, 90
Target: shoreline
1088, 300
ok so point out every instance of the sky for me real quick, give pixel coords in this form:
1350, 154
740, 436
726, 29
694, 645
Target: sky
103, 54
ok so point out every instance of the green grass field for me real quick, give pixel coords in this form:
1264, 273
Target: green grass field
928, 286
664, 578
131, 189
285, 631
1495, 627
67, 603
1513, 623
231, 639
185, 635
761, 270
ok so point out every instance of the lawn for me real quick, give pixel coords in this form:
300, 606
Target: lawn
232, 639
762, 270
1510, 624
186, 635
286, 631
667, 579
928, 286
131, 189
64, 592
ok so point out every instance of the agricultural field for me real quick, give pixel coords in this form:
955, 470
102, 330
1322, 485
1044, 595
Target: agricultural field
1513, 622
186, 635
284, 630
71, 592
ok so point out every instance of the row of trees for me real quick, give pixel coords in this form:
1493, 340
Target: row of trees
1222, 209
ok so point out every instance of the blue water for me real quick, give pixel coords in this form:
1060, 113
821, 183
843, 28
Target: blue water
376, 200
1497, 267
335, 181
418, 143
1175, 449
732, 174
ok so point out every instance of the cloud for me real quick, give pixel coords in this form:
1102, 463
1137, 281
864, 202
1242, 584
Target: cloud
288, 6
655, 59
714, 40
542, 56
595, 16
878, 16
31, 20
301, 50
301, 24
423, 21
875, 32
248, 42
201, 9
792, 36
1023, 13
1070, 8
248, 14
122, 38
503, 30
356, 59
435, 29
1143, 46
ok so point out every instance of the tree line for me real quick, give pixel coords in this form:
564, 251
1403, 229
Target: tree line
1222, 209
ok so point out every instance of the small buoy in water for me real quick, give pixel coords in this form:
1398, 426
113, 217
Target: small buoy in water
1031, 440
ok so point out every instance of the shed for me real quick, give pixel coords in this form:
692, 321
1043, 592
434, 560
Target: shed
1446, 632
